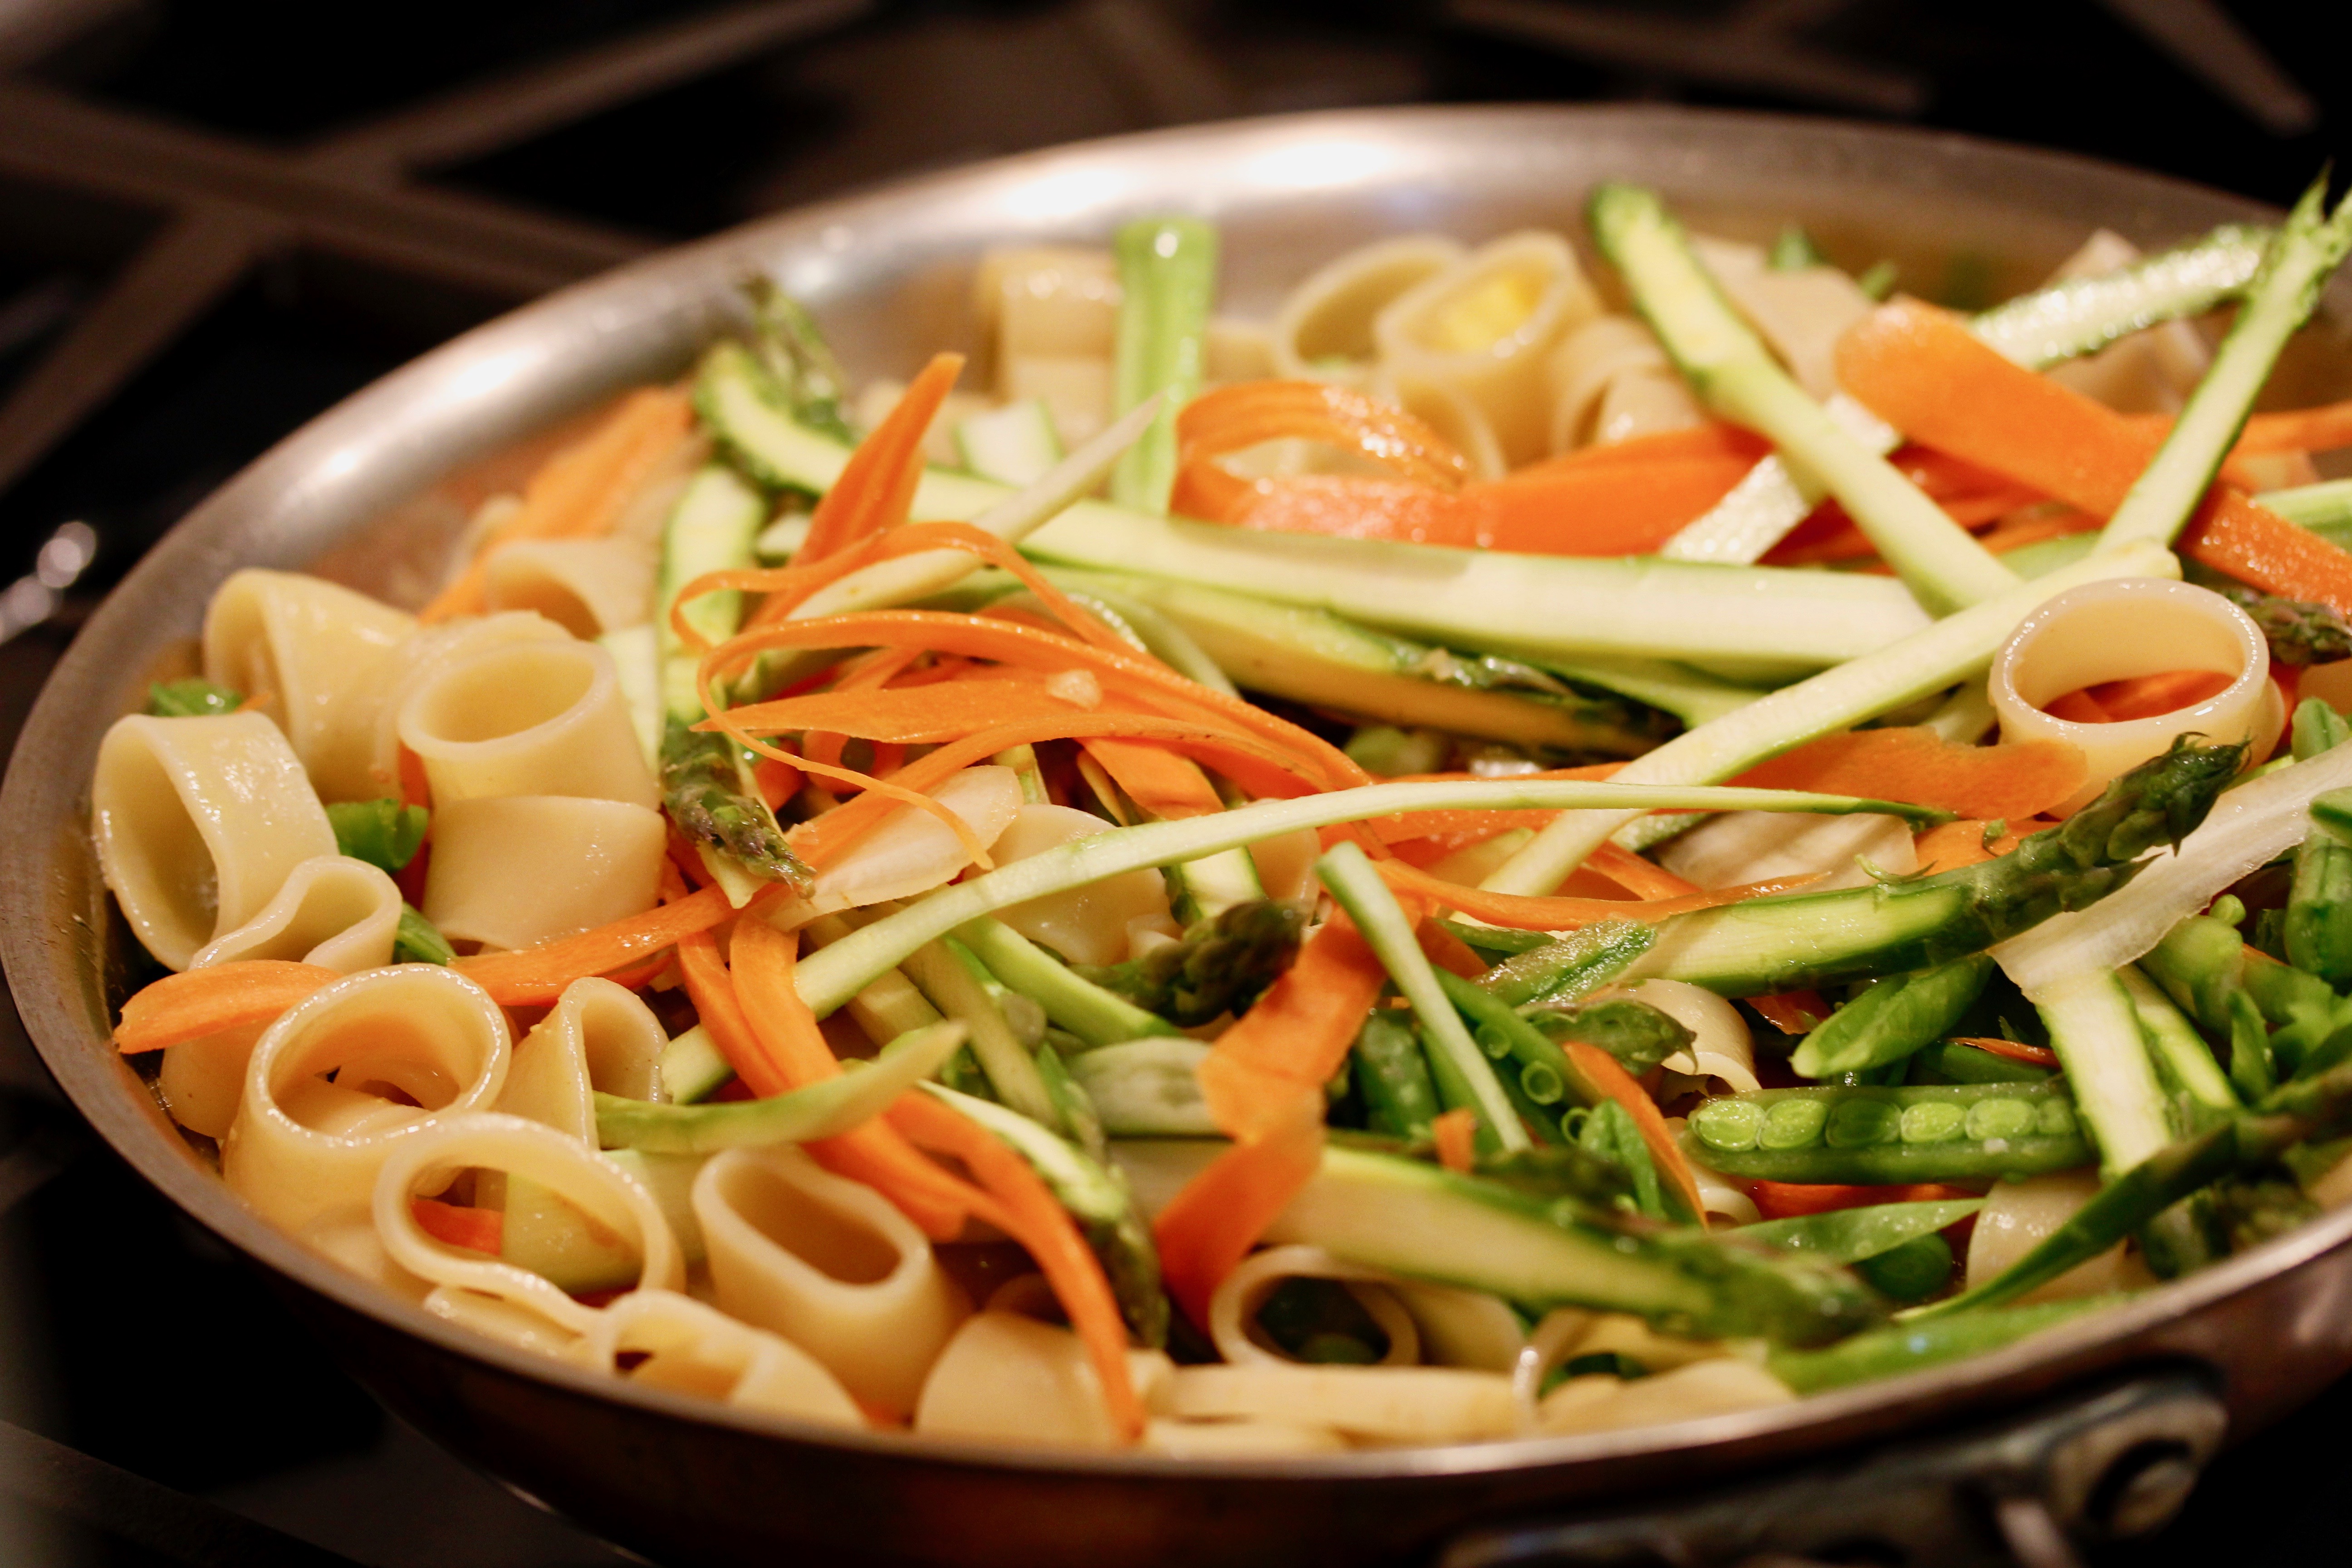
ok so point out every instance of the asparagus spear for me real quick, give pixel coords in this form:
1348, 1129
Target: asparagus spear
804, 379
2318, 922
1220, 965
1910, 1345
1638, 1034
1168, 279
1561, 970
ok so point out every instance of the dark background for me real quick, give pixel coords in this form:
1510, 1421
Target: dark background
128, 1334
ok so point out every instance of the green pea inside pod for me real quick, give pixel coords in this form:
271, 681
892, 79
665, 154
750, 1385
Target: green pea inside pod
1863, 1124
1728, 1124
1911, 1272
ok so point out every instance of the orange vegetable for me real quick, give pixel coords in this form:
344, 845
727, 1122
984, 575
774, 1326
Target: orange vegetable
1921, 370
1599, 508
877, 487
208, 1001
1610, 1081
1210, 1226
1785, 1200
540, 973
2014, 1050
476, 1230
1711, 439
1161, 782
1295, 1036
2146, 696
1953, 844
1523, 913
579, 493
917, 715
1919, 767
1792, 1011
2321, 430
1456, 1134
1249, 413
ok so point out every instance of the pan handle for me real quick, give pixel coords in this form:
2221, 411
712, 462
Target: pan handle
2114, 1461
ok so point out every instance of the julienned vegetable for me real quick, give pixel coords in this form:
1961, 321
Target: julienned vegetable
986, 909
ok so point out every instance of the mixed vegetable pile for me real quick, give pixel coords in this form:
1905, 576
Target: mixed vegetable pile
1608, 901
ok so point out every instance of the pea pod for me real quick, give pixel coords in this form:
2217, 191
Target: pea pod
1395, 1075
1894, 1018
1849, 1235
1910, 1346
1949, 1061
1872, 1135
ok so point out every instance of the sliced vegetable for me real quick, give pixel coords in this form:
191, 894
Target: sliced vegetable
1872, 1136
822, 1108
1896, 1016
190, 698
383, 833
1168, 282
1220, 965
1849, 1235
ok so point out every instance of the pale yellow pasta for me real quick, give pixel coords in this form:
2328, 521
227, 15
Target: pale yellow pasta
1389, 1404
830, 1264
1609, 380
1800, 311
1486, 327
302, 1146
522, 870
695, 1349
1742, 847
1240, 1439
1462, 1328
199, 822
1052, 313
332, 911
528, 718
323, 654
1445, 409
912, 851
203, 1079
1088, 924
1601, 1403
1324, 329
1719, 1198
1236, 350
1233, 1308
503, 1321
1007, 1377
2019, 1216
587, 587
425, 1161
2152, 371
1721, 1050
422, 660
348, 1236
598, 1036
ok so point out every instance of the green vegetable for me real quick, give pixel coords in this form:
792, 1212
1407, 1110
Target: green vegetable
1394, 1074
1877, 1136
2079, 316
1911, 1272
708, 796
1949, 1061
1146, 1088
1015, 444
1913, 1345
1219, 967
1557, 971
2298, 632
1608, 1132
1733, 374
2191, 1078
691, 1068
1894, 1017
1796, 939
820, 1110
190, 698
383, 833
1168, 283
1096, 1014
418, 941
803, 378
1638, 1034
2096, 1031
1849, 1235
958, 984
2318, 925
1099, 1199
1793, 250
2306, 249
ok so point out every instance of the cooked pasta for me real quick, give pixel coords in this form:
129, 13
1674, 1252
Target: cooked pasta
587, 587
515, 870
323, 654
535, 718
1324, 329
598, 1039
332, 911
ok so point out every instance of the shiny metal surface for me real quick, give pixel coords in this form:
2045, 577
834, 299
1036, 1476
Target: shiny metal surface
691, 1483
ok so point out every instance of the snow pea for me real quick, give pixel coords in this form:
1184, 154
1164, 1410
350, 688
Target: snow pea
1876, 1135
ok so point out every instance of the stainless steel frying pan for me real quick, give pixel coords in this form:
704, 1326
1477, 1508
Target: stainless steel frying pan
2095, 1426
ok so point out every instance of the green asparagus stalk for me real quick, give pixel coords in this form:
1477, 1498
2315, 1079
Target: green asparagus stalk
1219, 967
709, 797
820, 1110
1913, 1345
1557, 972
383, 833
1877, 1136
946, 972
1638, 1034
1894, 1018
805, 378
1074, 1107
1168, 279
1094, 1014
1146, 1088
1732, 372
2319, 902
1850, 1236
2307, 248
2198, 1090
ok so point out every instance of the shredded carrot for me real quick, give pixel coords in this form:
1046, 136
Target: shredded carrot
203, 1002
1523, 913
1712, 439
877, 487
1606, 1076
1786, 1200
1919, 767
1456, 1132
1642, 879
540, 973
476, 1230
1161, 782
579, 492
1792, 1011
1249, 413
2146, 696
1923, 371
2013, 1050
1024, 1209
917, 715
1448, 952
2035, 525
1294, 1037
2321, 430
1953, 844
1599, 508
777, 782
1211, 1225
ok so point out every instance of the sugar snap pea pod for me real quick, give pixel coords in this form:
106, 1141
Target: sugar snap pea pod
1849, 1235
1607, 1131
1894, 1018
1563, 971
1913, 1345
1497, 939
1949, 1061
1395, 1075
1920, 1268
1875, 1136
1533, 1062
2319, 926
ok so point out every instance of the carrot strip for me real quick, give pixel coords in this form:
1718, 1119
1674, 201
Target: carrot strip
1295, 1036
2145, 696
1921, 370
1456, 1132
1953, 844
912, 715
208, 1001
1918, 767
1161, 782
877, 487
1344, 506
1448, 952
2321, 430
2014, 1050
1786, 1200
1599, 508
1712, 439
1024, 1209
1249, 413
1642, 879
2051, 519
1211, 1225
1792, 1011
579, 493
476, 1230
1523, 913
540, 973
1603, 1071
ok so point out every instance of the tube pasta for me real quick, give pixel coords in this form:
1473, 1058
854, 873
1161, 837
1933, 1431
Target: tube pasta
323, 652
334, 911
203, 1079
1233, 1310
697, 1348
1393, 1404
1718, 1199
1053, 314
523, 869
526, 1150
1720, 1045
1240, 1439
911, 851
502, 1320
587, 587
1453, 416
528, 718
1801, 312
597, 1037
1462, 1328
303, 1145
1324, 329
1609, 380
199, 823
828, 1264
1085, 925
1010, 1378
1601, 1402
348, 1236
422, 660
1485, 326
